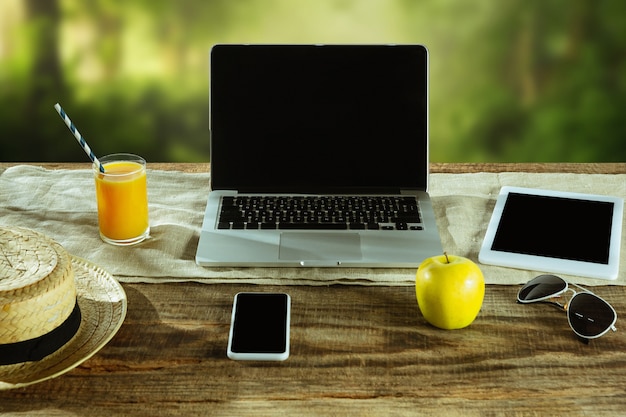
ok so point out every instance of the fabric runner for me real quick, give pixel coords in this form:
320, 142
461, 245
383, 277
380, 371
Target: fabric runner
62, 205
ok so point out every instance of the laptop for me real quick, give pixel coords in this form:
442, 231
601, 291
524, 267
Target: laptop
319, 157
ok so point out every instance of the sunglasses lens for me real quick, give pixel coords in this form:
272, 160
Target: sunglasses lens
589, 315
541, 287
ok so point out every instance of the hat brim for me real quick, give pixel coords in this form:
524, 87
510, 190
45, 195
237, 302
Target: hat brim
103, 306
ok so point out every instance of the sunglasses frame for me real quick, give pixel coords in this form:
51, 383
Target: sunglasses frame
549, 300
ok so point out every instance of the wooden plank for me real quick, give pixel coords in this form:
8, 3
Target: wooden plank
577, 168
457, 168
355, 351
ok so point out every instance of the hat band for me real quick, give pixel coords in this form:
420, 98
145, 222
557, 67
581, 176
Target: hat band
40, 347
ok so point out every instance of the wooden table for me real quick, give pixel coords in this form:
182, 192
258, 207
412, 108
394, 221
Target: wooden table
358, 351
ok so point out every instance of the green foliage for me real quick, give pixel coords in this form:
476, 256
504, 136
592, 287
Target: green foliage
513, 80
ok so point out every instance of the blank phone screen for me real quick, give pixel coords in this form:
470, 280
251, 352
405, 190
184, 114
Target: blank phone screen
260, 323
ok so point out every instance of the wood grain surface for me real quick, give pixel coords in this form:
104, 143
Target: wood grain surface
355, 351
435, 167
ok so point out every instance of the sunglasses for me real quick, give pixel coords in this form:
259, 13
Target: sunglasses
588, 315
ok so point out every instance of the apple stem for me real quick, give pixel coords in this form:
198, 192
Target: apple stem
446, 255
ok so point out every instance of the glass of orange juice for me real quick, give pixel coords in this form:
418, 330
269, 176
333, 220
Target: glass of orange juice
122, 197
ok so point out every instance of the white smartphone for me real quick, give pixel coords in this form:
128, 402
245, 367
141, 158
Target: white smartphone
259, 327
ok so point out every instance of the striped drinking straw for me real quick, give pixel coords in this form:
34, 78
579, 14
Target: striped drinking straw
78, 137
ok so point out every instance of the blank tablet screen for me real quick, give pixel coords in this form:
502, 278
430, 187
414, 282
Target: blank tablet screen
556, 227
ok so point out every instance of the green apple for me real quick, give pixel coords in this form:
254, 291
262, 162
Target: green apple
450, 291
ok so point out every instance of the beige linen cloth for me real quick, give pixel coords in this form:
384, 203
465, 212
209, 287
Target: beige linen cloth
62, 205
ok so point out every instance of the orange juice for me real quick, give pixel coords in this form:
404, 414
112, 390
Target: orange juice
122, 197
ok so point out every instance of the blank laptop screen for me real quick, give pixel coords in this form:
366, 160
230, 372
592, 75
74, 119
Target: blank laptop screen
307, 118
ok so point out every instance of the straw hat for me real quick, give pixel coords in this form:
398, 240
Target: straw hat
56, 310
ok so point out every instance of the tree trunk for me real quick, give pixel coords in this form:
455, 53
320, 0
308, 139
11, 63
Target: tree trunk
46, 71
46, 83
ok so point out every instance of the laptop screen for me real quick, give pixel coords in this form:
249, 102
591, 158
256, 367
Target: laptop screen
313, 118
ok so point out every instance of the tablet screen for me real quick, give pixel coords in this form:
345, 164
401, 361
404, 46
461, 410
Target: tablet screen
557, 227
555, 231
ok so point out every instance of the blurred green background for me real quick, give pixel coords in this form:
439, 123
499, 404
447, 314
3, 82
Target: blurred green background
511, 80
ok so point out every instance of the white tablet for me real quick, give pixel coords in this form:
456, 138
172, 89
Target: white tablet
553, 231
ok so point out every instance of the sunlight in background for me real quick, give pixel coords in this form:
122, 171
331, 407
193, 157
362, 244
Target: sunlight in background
511, 80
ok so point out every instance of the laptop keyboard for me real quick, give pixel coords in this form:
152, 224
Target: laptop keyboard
320, 213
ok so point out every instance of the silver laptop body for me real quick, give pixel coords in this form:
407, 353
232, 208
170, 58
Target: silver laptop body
291, 124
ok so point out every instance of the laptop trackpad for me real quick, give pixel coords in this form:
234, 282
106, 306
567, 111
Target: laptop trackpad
328, 247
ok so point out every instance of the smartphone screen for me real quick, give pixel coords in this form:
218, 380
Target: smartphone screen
259, 327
